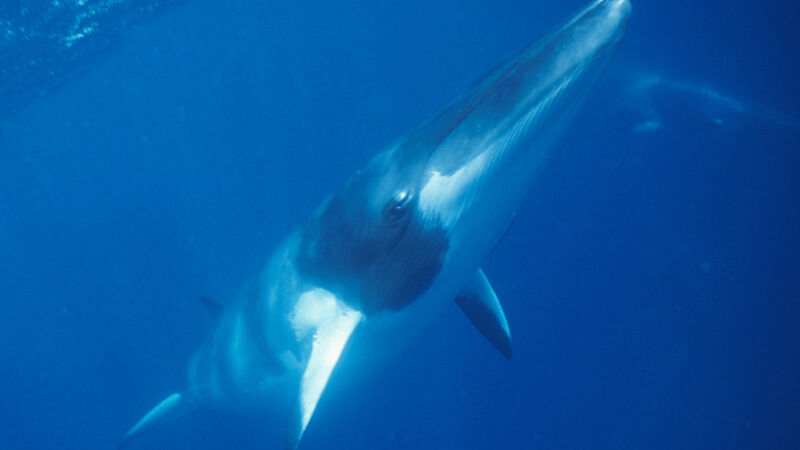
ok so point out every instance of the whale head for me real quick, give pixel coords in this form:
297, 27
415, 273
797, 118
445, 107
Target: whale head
444, 193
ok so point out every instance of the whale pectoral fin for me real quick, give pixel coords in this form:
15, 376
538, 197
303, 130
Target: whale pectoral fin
482, 307
171, 408
329, 341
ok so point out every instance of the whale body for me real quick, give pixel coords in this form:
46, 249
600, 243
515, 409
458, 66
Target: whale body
403, 238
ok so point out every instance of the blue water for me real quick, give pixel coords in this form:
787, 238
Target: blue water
651, 279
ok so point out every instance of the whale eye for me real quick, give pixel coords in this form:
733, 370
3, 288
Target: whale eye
396, 207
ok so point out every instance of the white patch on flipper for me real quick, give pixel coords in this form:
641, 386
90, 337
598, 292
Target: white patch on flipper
331, 322
313, 308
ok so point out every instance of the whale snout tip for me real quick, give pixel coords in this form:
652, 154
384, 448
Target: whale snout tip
612, 8
614, 14
621, 7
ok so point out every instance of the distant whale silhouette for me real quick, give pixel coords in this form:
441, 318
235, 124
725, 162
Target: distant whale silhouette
657, 102
402, 238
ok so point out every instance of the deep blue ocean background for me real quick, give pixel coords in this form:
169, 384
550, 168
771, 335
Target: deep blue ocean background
651, 279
